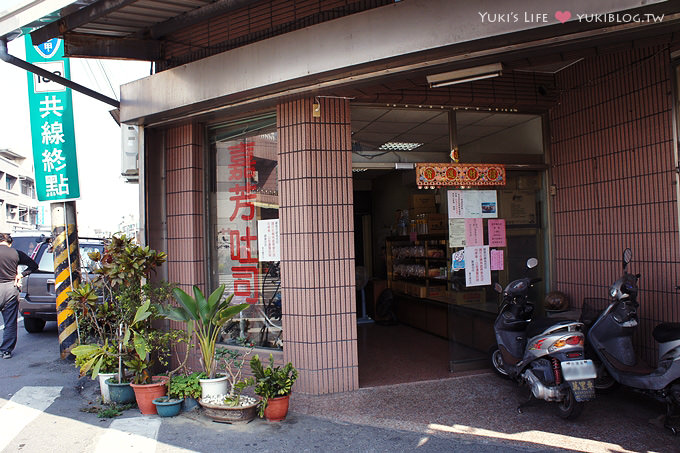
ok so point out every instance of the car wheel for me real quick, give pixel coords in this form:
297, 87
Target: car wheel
34, 325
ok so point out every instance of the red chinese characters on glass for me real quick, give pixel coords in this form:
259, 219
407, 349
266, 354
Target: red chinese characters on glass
243, 244
242, 162
246, 282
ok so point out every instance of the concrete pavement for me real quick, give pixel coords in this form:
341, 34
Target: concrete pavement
469, 413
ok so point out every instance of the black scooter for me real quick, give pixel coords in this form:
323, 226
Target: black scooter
611, 339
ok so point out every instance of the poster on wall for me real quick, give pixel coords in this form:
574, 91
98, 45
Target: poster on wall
497, 233
466, 204
269, 248
474, 232
496, 260
456, 233
455, 198
477, 266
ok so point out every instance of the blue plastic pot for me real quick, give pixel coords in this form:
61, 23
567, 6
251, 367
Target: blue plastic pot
190, 404
120, 393
167, 408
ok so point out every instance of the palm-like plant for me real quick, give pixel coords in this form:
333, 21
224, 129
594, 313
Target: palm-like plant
206, 317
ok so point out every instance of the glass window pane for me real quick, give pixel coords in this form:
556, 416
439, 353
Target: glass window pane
244, 206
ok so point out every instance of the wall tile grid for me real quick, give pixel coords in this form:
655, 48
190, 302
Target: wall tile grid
184, 198
317, 248
613, 166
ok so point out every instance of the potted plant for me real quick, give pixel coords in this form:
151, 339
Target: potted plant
273, 384
119, 307
232, 406
206, 317
167, 406
186, 387
98, 361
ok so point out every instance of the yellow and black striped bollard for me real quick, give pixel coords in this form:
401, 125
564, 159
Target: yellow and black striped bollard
66, 275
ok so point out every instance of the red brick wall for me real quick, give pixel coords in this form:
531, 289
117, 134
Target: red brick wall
613, 166
317, 245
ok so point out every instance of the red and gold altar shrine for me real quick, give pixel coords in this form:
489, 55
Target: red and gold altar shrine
430, 175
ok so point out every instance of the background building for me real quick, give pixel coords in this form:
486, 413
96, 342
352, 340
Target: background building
19, 208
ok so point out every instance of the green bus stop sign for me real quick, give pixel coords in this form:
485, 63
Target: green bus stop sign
52, 131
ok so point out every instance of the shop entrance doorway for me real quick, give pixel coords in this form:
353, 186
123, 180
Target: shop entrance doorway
426, 321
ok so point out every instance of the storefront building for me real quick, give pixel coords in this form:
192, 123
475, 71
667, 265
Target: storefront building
316, 114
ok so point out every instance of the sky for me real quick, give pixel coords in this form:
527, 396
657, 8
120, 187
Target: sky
105, 197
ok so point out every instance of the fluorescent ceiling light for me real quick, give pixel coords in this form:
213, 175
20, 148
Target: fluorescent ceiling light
399, 146
404, 166
465, 75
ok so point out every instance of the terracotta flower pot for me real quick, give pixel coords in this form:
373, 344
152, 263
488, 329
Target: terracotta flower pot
146, 393
277, 408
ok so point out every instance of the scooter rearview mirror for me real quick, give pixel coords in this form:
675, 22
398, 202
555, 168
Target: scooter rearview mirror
627, 256
532, 263
498, 288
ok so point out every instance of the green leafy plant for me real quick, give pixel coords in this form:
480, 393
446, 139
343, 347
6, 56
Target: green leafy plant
206, 317
118, 308
93, 359
114, 410
185, 386
272, 381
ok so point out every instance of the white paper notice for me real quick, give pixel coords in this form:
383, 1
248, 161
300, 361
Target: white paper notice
477, 266
455, 199
468, 204
456, 233
268, 245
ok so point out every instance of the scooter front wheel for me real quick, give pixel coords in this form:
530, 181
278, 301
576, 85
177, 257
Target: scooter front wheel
497, 363
569, 408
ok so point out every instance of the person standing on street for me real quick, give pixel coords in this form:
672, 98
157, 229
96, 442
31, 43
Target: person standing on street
10, 283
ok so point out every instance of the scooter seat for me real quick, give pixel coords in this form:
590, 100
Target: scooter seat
667, 331
539, 325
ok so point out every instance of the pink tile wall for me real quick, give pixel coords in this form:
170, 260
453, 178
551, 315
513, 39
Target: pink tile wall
185, 208
317, 250
613, 166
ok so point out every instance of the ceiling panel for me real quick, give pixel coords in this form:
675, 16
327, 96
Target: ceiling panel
374, 126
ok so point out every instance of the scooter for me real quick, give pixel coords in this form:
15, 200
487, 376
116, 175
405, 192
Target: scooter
545, 354
611, 338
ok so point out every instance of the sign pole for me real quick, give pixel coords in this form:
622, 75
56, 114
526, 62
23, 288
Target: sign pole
66, 270
56, 173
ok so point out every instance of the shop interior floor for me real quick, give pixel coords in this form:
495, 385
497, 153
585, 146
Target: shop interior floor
398, 354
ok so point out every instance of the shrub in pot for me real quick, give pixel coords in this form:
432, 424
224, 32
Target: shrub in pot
206, 317
117, 309
274, 385
97, 361
187, 388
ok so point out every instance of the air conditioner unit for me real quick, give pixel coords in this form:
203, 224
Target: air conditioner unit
129, 155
